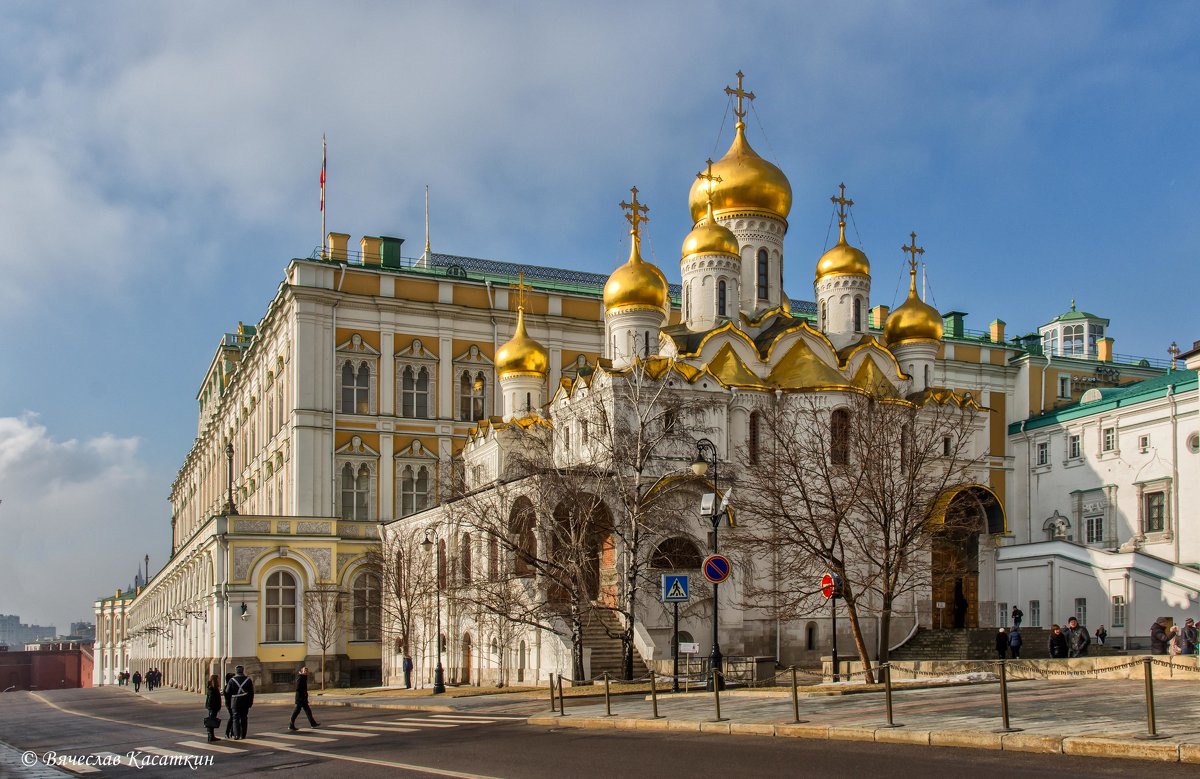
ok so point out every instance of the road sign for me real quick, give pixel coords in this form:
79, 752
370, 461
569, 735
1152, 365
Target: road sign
674, 588
831, 585
716, 568
689, 648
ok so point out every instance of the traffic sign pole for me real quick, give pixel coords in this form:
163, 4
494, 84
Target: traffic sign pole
675, 652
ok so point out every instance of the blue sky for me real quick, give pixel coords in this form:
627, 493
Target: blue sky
160, 167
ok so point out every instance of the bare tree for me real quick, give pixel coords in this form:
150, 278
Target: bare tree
406, 581
323, 619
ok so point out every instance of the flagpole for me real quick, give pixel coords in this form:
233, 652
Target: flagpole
426, 225
324, 158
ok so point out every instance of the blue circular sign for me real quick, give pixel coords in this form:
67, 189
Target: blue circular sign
716, 568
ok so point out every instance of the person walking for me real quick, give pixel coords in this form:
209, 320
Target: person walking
407, 665
1016, 617
228, 707
137, 680
1187, 637
1058, 642
1014, 643
212, 703
1101, 634
1078, 639
302, 701
1158, 637
241, 694
1002, 643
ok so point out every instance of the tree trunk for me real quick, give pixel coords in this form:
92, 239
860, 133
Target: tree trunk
322, 669
859, 643
885, 625
576, 646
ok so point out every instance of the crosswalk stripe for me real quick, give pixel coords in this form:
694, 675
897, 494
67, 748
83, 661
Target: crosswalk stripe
262, 742
418, 723
297, 737
225, 750
467, 720
479, 716
78, 768
164, 752
355, 734
385, 728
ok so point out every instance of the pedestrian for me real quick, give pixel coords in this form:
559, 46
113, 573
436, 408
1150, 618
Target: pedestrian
1078, 639
407, 665
1158, 637
1058, 642
241, 694
1002, 643
228, 707
1101, 634
1187, 637
137, 681
302, 700
1014, 643
1016, 617
212, 704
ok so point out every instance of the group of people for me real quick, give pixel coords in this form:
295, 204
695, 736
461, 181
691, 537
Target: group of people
1070, 641
1173, 640
238, 696
153, 678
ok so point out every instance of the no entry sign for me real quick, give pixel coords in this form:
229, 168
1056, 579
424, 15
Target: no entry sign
830, 585
716, 568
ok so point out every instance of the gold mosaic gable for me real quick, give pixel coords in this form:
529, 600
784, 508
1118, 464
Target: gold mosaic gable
871, 379
731, 371
801, 368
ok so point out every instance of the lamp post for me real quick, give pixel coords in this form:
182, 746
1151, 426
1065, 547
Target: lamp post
230, 510
439, 676
706, 460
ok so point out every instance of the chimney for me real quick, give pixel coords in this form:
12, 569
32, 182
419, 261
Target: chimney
390, 251
1191, 360
996, 331
879, 316
1104, 350
953, 322
371, 250
337, 246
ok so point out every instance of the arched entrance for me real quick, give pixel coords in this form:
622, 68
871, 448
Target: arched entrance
961, 515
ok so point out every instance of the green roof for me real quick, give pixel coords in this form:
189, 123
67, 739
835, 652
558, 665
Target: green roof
1115, 397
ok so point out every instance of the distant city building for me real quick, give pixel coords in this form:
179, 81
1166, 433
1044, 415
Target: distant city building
13, 633
83, 630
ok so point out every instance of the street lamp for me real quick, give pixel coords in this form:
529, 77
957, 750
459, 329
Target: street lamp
439, 677
706, 460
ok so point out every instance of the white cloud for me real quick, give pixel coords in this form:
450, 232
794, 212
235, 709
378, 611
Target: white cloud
76, 518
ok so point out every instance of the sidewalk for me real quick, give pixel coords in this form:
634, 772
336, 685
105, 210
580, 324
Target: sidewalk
1092, 717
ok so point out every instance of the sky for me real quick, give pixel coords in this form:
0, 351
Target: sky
161, 164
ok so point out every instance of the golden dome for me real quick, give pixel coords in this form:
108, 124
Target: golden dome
522, 355
914, 319
710, 238
843, 259
747, 183
637, 285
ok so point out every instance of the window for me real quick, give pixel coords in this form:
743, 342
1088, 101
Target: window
414, 489
687, 300
1073, 446
1072, 341
493, 558
721, 298
414, 393
1109, 439
356, 383
839, 437
752, 445
1064, 386
1053, 342
1043, 453
1155, 506
1118, 611
356, 488
763, 275
947, 446
281, 607
1094, 529
472, 394
524, 540
858, 315
1143, 443
464, 556
1081, 610
1035, 613
283, 677
1003, 609
366, 607
676, 554
824, 310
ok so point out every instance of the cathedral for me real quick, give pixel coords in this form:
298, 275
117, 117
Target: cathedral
379, 390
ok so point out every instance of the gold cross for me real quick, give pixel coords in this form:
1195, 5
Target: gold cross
913, 250
636, 213
842, 203
1174, 352
741, 111
707, 175
521, 287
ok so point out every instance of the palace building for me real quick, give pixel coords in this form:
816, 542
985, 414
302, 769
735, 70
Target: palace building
374, 381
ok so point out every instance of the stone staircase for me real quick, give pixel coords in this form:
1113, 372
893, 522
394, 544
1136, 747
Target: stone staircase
606, 650
980, 644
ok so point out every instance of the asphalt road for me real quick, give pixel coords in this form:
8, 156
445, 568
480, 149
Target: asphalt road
495, 743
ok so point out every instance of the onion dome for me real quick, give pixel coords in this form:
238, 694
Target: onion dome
747, 184
637, 285
710, 237
522, 355
843, 259
914, 319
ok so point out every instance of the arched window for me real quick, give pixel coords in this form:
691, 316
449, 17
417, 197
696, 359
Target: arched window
810, 636
356, 488
764, 275
676, 554
839, 437
464, 556
280, 614
687, 300
414, 489
753, 444
355, 388
524, 540
858, 318
472, 391
721, 298
441, 564
823, 313
493, 558
366, 607
1072, 340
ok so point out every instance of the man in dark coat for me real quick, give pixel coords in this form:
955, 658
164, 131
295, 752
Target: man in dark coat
1002, 643
241, 694
1159, 639
302, 700
407, 665
1078, 639
137, 680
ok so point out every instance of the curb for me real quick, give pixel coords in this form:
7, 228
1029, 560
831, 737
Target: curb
1082, 746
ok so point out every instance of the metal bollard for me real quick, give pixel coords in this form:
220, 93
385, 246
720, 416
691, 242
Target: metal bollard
886, 668
1004, 700
553, 707
795, 698
716, 676
654, 695
607, 697
1151, 730
562, 709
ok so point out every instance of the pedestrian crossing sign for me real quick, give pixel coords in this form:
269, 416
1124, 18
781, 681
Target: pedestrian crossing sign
674, 588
